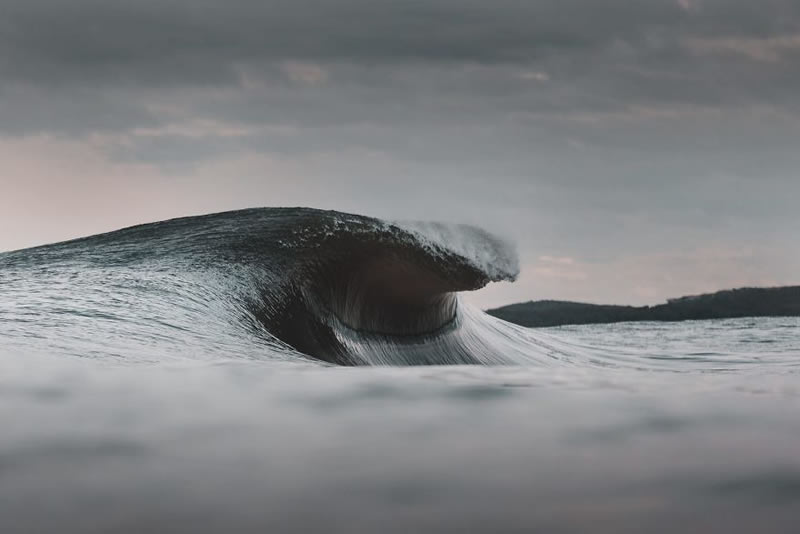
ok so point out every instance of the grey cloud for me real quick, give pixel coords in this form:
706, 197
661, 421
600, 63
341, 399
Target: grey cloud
103, 35
415, 62
26, 109
188, 42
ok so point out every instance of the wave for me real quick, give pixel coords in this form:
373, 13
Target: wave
293, 283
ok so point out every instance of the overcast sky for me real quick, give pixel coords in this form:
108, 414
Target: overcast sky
634, 149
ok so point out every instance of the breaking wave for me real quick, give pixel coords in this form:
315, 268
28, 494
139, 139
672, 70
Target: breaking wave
285, 283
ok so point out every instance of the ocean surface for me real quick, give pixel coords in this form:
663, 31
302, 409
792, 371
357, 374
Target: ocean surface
293, 370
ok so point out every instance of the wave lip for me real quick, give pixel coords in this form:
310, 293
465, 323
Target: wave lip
494, 256
384, 281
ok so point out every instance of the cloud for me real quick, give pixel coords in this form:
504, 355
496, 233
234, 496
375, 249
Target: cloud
93, 65
307, 73
768, 49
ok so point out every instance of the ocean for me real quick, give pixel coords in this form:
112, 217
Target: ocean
293, 370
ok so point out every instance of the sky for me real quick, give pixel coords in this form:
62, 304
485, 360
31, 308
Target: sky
633, 150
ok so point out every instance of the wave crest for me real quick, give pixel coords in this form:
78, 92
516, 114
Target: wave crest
380, 279
335, 287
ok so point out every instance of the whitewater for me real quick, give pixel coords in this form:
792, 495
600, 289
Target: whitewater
298, 370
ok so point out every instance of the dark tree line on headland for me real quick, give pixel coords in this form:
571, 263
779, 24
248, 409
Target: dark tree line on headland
744, 302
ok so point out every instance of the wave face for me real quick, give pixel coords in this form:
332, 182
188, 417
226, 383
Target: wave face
285, 283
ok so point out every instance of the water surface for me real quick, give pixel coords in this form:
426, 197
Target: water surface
151, 380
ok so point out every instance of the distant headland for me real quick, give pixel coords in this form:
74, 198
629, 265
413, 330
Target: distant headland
731, 303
